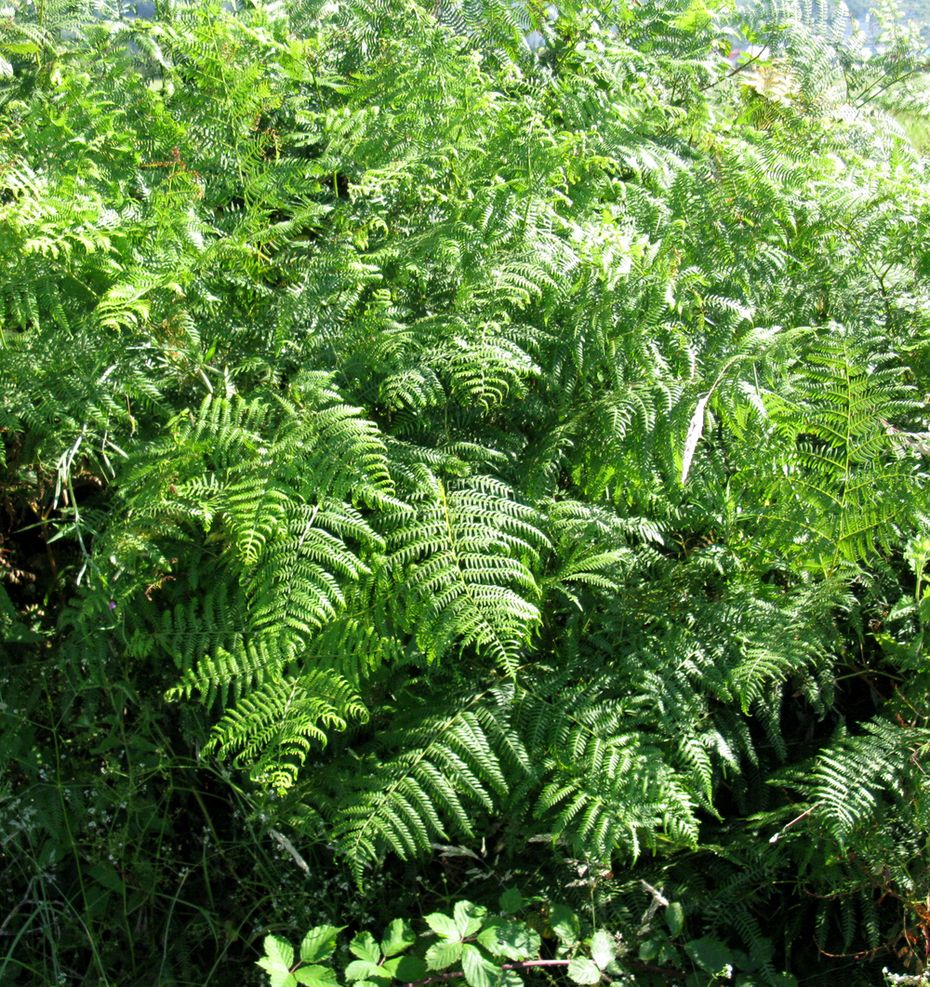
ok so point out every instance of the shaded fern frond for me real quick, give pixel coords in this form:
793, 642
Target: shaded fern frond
445, 767
853, 779
273, 729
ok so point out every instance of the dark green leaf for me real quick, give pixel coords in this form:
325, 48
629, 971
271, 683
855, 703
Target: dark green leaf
709, 954
564, 923
406, 968
511, 901
397, 937
675, 918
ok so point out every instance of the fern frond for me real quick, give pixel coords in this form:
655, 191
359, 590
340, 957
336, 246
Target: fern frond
466, 554
445, 767
853, 778
274, 728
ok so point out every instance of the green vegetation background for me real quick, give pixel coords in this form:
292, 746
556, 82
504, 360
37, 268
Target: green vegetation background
450, 448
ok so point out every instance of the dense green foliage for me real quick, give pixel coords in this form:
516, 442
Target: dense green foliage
448, 446
484, 948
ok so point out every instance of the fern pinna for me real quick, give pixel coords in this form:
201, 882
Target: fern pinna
490, 441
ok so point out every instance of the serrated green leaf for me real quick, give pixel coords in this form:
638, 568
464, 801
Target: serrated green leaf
515, 940
564, 923
583, 971
278, 978
443, 926
397, 937
277, 962
365, 947
279, 952
316, 976
319, 943
468, 917
478, 969
443, 954
603, 948
365, 970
